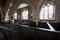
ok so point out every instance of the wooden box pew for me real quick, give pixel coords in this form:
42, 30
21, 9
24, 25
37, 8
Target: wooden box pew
6, 32
33, 33
23, 32
55, 25
43, 25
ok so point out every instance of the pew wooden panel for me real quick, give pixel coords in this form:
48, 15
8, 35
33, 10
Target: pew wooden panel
29, 33
56, 26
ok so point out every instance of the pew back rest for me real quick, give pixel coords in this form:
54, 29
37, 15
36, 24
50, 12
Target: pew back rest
43, 25
56, 26
32, 24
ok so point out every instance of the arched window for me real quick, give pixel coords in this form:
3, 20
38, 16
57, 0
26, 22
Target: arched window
15, 15
24, 12
48, 12
25, 15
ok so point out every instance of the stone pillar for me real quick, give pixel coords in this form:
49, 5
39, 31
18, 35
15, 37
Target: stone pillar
30, 15
11, 17
19, 14
2, 14
3, 20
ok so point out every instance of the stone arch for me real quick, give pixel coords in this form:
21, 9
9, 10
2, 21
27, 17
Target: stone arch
1, 13
25, 6
14, 8
22, 5
19, 2
37, 9
9, 5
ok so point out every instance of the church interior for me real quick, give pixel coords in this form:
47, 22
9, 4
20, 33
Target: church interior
29, 20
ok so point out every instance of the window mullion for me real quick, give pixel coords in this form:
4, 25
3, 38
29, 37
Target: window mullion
53, 11
43, 12
48, 12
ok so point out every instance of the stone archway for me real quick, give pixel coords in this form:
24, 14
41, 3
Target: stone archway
15, 7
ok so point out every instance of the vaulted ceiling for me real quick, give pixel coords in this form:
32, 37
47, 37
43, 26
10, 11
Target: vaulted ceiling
2, 2
33, 3
5, 2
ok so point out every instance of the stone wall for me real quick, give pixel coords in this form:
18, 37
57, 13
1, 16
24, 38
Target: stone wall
57, 10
